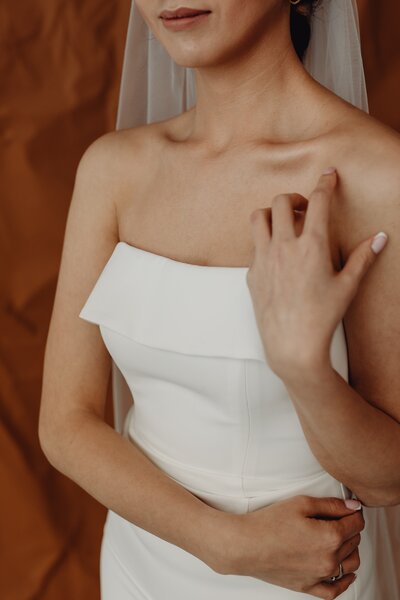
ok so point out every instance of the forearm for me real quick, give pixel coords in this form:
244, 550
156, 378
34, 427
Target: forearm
353, 440
120, 476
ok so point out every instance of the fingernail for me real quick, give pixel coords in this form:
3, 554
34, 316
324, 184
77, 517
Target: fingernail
353, 504
329, 171
379, 242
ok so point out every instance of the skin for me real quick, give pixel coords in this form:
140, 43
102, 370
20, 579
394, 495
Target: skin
297, 296
186, 188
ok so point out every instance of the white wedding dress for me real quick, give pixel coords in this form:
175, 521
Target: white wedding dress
212, 415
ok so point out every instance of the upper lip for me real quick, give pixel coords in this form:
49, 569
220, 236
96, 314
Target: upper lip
182, 11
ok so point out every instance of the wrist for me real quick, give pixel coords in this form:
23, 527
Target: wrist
220, 540
311, 376
306, 368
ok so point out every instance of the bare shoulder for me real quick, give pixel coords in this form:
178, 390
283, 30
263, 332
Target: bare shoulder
369, 202
371, 149
368, 161
77, 363
126, 159
112, 167
108, 155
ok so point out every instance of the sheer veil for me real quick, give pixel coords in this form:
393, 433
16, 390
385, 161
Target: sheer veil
154, 88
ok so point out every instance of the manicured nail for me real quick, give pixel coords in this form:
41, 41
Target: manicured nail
329, 171
379, 242
353, 504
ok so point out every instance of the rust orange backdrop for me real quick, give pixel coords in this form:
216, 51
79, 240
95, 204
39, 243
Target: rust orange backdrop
60, 70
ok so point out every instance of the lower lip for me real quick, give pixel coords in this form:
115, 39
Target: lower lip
184, 22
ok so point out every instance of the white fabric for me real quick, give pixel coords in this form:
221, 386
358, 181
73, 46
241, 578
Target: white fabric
334, 53
207, 363
209, 412
154, 87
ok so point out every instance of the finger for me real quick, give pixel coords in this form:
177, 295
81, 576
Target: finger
260, 229
328, 508
332, 590
348, 547
300, 205
360, 260
351, 563
282, 214
349, 526
317, 218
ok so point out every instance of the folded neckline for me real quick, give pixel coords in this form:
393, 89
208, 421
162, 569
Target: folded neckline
181, 307
233, 268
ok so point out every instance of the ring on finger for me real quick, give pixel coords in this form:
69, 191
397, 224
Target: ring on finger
338, 576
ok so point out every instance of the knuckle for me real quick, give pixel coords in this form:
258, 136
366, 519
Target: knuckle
361, 521
335, 536
347, 278
335, 504
330, 566
357, 561
305, 501
279, 198
316, 237
366, 250
362, 527
365, 257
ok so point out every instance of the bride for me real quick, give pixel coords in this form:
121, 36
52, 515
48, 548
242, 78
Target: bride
269, 170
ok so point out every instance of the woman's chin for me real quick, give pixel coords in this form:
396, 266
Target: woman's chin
191, 60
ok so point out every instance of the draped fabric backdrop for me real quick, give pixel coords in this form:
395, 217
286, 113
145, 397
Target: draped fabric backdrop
60, 70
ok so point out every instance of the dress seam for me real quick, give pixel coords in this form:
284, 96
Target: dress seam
248, 434
137, 437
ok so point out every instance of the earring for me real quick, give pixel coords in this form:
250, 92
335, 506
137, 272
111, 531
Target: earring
294, 2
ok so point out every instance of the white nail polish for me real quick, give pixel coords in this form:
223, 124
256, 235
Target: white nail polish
353, 504
379, 242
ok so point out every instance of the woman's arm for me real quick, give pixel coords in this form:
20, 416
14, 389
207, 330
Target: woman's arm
115, 472
119, 475
353, 429
112, 469
358, 443
77, 367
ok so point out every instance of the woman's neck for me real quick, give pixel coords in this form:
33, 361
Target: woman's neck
265, 93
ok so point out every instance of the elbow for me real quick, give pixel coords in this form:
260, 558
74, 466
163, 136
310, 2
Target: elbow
46, 444
59, 437
50, 440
